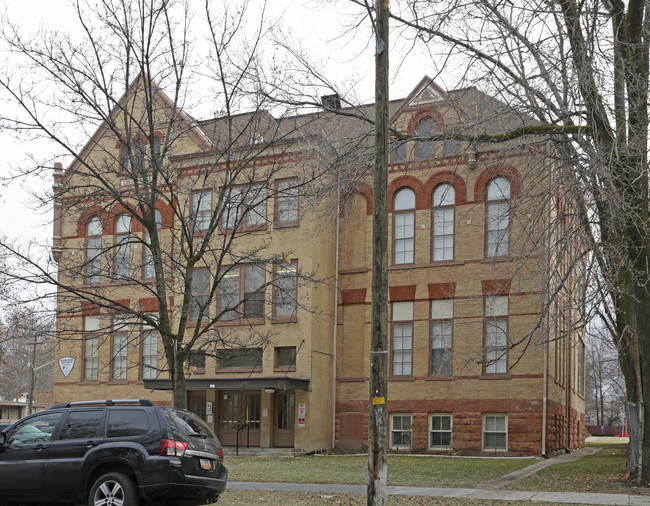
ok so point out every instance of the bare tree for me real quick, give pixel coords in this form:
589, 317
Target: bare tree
163, 215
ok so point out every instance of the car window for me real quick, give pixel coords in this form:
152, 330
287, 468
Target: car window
127, 422
82, 425
185, 423
36, 429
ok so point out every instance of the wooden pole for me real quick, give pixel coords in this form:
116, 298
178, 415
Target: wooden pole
378, 416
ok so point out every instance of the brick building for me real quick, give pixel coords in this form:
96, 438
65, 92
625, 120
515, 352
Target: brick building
485, 354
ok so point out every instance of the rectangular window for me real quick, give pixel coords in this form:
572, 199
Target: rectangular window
400, 431
255, 206
245, 359
440, 431
286, 203
495, 432
443, 234
498, 229
402, 360
149, 353
242, 293
404, 237
200, 293
231, 213
119, 351
196, 362
285, 286
229, 295
496, 334
254, 291
285, 358
442, 314
91, 347
201, 210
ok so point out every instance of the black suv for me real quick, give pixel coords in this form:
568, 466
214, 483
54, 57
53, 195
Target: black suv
120, 452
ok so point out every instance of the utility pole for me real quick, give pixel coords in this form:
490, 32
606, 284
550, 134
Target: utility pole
31, 378
378, 416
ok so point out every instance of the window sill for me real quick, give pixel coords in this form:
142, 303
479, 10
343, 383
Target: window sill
288, 224
284, 320
440, 263
401, 378
494, 260
230, 370
89, 382
284, 369
440, 377
117, 382
495, 376
194, 324
239, 322
445, 263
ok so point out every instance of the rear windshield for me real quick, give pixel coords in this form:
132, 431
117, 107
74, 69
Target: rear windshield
185, 423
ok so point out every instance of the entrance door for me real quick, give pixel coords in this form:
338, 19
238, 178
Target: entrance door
196, 402
238, 407
283, 418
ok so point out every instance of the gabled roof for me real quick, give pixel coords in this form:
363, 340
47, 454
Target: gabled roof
426, 92
190, 124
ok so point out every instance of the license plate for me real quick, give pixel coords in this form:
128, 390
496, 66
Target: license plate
205, 464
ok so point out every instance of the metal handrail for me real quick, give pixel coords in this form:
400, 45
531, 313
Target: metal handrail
248, 434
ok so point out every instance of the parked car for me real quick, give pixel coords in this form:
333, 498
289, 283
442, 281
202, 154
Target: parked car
111, 452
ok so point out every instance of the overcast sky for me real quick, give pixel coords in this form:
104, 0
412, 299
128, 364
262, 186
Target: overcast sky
317, 24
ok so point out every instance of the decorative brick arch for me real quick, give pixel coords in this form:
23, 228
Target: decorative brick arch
406, 182
366, 191
426, 113
507, 171
446, 176
117, 210
87, 215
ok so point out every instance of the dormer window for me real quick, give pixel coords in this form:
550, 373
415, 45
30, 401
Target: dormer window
426, 128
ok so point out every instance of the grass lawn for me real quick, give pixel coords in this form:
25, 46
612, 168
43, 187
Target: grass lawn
415, 471
602, 472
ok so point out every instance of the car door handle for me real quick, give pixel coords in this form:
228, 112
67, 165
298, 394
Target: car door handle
39, 448
90, 444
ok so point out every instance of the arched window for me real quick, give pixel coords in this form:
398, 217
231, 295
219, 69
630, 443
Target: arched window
121, 268
93, 250
497, 221
404, 226
444, 198
148, 267
426, 128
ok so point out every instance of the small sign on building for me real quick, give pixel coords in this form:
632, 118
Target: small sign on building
302, 414
66, 364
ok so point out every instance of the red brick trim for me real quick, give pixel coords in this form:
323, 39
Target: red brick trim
90, 308
353, 296
406, 182
446, 176
507, 171
399, 293
149, 304
496, 286
426, 113
442, 290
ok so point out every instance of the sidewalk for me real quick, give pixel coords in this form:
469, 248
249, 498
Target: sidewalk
465, 493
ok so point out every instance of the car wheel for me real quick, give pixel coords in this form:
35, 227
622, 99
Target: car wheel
113, 489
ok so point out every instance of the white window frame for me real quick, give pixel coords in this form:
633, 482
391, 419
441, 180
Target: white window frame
486, 421
441, 331
119, 349
496, 334
443, 228
401, 341
497, 218
94, 230
201, 202
404, 205
401, 430
121, 235
91, 348
449, 431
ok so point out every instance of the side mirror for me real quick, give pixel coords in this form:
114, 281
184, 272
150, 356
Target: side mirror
3, 438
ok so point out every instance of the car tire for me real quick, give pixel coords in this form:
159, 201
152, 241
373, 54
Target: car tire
113, 489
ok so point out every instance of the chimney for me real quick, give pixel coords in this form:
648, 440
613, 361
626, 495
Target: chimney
331, 102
